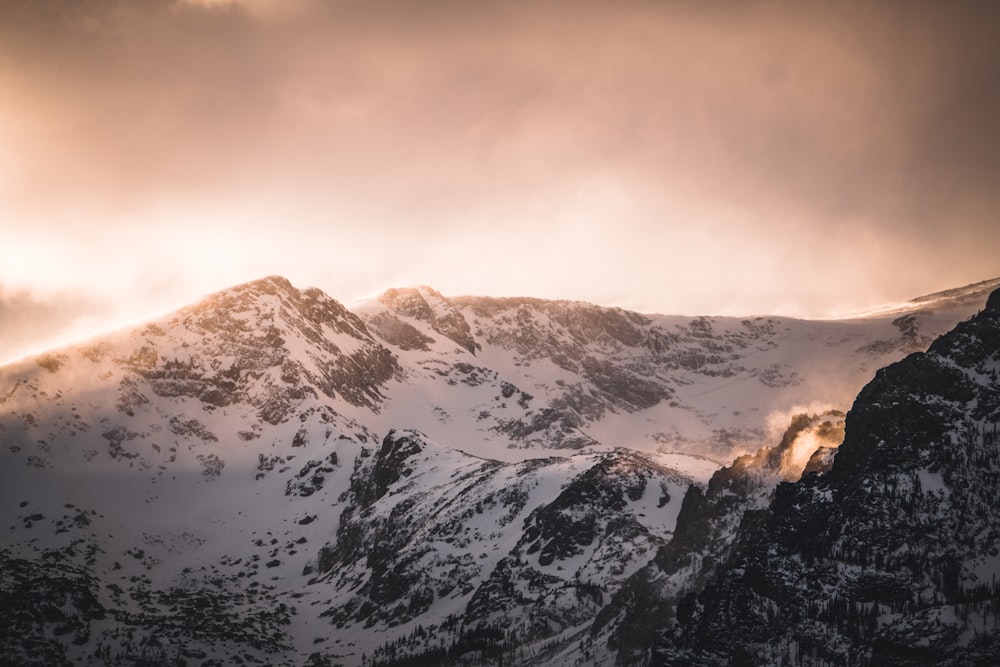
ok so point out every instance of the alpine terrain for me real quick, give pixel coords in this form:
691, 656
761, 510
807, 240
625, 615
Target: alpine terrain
269, 477
891, 557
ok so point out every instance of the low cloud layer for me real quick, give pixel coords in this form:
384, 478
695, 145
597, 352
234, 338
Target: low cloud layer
801, 158
32, 325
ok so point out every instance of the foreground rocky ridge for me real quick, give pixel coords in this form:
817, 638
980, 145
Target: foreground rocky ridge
705, 537
893, 556
249, 481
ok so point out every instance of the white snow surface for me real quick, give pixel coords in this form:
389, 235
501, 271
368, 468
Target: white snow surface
214, 449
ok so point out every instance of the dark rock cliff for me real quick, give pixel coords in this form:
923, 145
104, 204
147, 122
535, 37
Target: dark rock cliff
893, 556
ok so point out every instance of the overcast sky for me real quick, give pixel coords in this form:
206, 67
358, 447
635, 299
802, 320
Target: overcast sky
801, 158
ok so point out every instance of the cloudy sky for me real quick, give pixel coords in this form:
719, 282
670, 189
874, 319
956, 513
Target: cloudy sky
802, 158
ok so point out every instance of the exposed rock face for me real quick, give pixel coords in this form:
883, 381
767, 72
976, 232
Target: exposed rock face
248, 481
577, 550
584, 374
891, 557
422, 525
705, 537
429, 306
247, 327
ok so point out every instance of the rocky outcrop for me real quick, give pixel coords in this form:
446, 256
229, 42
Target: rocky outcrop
891, 557
243, 351
706, 537
576, 550
426, 305
422, 526
242, 482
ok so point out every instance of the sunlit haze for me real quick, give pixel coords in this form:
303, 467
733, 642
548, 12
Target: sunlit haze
796, 158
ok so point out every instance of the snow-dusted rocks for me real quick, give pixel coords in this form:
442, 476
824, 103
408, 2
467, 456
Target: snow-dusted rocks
705, 536
266, 477
467, 547
531, 374
893, 556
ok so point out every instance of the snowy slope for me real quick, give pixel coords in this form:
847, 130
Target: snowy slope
249, 479
534, 374
890, 557
191, 489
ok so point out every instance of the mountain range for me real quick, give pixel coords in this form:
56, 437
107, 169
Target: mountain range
269, 477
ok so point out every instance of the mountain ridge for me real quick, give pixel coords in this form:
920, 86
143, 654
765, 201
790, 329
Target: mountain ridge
890, 557
267, 476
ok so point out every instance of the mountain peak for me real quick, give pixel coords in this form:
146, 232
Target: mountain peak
269, 282
273, 302
305, 339
265, 343
424, 305
248, 480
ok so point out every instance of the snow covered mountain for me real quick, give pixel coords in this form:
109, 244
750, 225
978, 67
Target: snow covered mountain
537, 374
892, 557
267, 477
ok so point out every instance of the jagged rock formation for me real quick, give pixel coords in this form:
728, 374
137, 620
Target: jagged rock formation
578, 549
891, 557
517, 552
536, 374
241, 351
248, 480
705, 536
